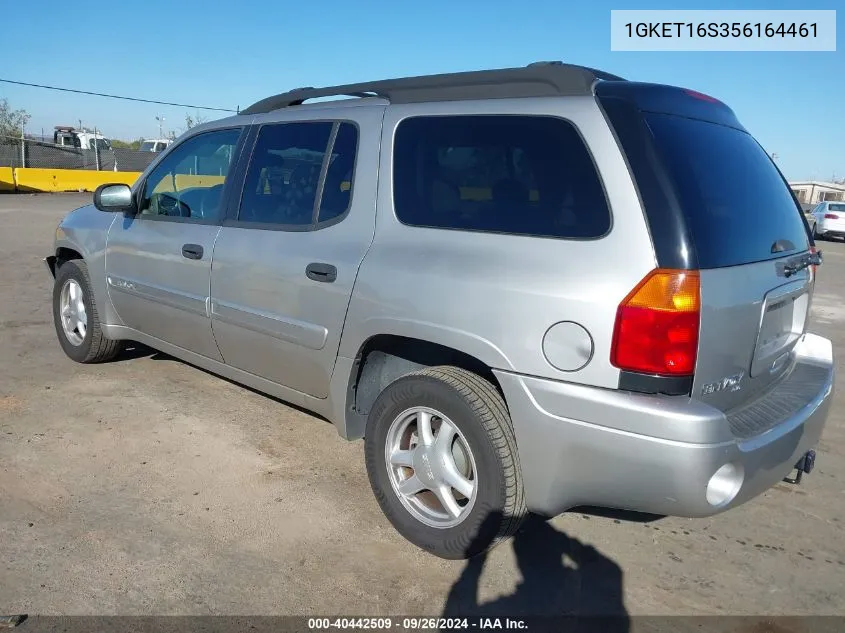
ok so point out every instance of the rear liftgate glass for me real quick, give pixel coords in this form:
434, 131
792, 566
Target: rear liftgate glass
719, 317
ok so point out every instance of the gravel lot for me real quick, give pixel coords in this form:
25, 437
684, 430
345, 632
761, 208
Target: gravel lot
149, 486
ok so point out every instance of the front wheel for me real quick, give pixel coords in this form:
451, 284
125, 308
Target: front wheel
442, 462
76, 318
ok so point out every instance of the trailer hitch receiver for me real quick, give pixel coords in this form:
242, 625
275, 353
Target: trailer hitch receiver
804, 465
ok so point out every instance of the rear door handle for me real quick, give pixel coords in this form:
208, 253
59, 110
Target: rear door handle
192, 251
321, 272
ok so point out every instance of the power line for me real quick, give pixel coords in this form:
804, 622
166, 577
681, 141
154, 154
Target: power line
100, 94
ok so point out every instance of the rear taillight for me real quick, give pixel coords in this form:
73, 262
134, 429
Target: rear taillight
656, 329
831, 216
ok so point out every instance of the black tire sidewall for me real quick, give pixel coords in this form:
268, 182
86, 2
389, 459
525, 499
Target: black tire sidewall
475, 533
72, 270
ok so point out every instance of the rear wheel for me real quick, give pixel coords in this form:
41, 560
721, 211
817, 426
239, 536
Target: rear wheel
76, 318
442, 461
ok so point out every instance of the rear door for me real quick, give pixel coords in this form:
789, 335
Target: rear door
286, 261
727, 211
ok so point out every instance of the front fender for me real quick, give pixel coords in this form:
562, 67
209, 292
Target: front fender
84, 233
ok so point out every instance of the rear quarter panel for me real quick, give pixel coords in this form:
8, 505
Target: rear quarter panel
494, 296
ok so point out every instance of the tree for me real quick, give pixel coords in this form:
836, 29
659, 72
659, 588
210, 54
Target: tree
118, 144
191, 121
12, 122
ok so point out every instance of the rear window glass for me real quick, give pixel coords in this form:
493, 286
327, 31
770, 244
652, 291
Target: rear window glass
738, 208
836, 207
523, 175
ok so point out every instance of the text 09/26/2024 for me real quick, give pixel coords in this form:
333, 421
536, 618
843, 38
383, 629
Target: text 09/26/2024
415, 623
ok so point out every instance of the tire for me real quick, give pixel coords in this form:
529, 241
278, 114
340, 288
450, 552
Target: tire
476, 410
90, 346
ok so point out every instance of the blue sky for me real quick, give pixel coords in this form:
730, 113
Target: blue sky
229, 54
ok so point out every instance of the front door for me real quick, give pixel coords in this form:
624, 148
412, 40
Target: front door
284, 267
158, 263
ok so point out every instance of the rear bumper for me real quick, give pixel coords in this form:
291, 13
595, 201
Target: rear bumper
671, 456
832, 228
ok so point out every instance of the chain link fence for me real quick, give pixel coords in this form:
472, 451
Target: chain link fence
17, 152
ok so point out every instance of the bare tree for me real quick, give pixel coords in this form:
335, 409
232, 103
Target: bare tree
191, 121
12, 122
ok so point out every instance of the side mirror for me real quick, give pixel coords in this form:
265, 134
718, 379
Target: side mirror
116, 197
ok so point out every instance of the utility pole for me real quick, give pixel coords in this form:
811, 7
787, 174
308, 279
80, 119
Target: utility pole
160, 120
96, 149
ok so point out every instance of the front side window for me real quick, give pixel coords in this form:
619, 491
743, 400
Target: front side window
98, 143
188, 183
300, 174
521, 175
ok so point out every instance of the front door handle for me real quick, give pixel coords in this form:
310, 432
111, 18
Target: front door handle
192, 251
321, 272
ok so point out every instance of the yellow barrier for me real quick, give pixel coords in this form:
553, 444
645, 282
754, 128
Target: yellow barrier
55, 180
7, 179
186, 181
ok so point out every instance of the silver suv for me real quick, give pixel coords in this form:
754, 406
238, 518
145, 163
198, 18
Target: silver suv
527, 289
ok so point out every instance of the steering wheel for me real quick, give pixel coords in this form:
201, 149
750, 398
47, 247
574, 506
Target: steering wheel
169, 204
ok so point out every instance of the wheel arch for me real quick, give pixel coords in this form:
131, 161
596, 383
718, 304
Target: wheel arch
89, 246
384, 358
61, 255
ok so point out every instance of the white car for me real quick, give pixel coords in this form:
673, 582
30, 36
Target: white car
156, 145
829, 219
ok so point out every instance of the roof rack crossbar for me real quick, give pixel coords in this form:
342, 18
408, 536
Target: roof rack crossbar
539, 79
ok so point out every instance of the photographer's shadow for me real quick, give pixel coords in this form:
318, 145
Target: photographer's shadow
560, 577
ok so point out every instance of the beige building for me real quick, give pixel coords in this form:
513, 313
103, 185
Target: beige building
814, 191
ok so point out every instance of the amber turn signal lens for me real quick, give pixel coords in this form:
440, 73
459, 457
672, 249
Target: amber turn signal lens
657, 324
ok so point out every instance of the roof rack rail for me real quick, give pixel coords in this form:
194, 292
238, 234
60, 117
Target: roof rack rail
538, 79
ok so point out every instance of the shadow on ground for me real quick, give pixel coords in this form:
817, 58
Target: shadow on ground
133, 350
560, 577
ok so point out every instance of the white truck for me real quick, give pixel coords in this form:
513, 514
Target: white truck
156, 144
71, 137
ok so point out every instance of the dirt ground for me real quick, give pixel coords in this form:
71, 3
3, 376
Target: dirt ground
149, 486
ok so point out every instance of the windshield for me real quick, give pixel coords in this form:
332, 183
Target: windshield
737, 206
147, 146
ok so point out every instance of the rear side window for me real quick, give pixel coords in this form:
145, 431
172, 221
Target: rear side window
737, 207
836, 207
522, 175
300, 174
